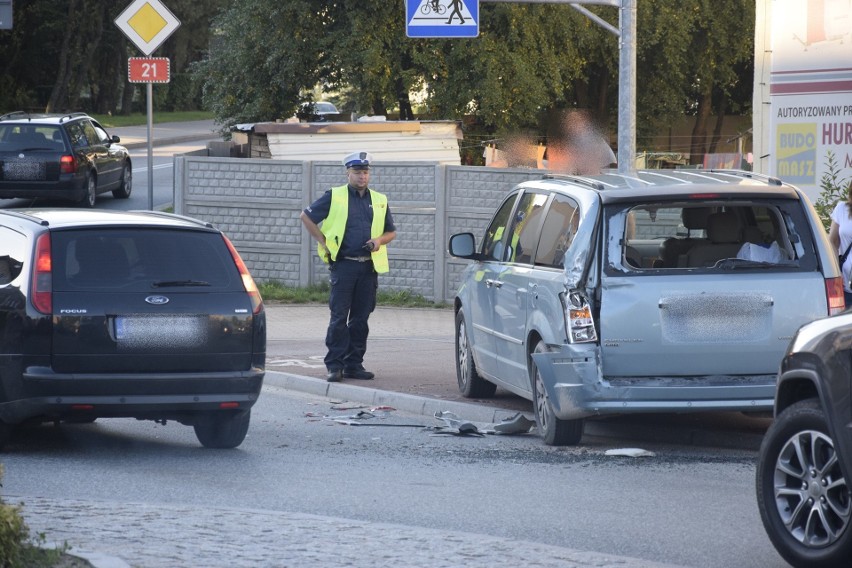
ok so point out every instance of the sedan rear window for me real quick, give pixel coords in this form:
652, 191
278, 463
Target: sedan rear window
142, 260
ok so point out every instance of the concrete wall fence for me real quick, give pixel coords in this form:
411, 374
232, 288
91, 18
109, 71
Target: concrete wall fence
256, 202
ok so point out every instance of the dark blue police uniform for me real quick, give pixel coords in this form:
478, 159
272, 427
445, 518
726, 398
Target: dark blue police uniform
354, 283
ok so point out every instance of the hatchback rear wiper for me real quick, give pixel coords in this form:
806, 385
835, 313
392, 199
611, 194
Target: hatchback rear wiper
166, 283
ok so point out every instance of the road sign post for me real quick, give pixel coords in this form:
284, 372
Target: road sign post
148, 23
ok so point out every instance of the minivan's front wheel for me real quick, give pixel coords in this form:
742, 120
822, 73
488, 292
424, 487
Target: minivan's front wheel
222, 429
555, 431
802, 494
471, 384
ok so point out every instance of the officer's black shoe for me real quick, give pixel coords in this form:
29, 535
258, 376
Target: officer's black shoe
360, 374
334, 376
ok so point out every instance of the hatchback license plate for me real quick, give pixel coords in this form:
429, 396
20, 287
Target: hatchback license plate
160, 332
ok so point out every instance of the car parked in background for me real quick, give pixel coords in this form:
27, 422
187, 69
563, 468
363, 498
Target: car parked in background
659, 291
805, 464
61, 156
319, 111
127, 314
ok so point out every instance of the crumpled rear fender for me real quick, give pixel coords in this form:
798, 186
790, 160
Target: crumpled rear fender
570, 375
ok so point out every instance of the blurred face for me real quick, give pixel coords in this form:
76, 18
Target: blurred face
359, 179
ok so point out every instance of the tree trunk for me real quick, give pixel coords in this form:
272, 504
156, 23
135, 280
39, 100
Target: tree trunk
699, 130
720, 120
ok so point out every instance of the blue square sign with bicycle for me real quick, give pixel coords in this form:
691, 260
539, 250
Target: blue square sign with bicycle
442, 18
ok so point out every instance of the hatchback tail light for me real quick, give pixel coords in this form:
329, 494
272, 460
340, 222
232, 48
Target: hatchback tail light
834, 295
42, 281
67, 164
248, 281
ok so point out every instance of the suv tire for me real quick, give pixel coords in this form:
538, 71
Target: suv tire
801, 490
90, 197
555, 431
222, 429
471, 384
123, 191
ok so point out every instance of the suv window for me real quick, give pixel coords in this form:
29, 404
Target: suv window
141, 260
525, 226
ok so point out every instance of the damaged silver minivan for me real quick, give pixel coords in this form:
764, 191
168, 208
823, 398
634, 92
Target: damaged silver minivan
658, 291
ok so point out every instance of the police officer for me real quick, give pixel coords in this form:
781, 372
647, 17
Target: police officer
356, 226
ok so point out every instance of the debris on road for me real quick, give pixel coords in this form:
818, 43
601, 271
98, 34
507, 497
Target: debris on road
455, 426
630, 453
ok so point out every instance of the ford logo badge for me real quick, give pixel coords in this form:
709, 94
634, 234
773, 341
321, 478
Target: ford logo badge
157, 300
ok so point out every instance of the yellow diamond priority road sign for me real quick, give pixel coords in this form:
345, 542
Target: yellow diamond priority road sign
147, 23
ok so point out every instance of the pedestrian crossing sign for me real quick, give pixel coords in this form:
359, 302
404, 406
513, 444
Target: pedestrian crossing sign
442, 18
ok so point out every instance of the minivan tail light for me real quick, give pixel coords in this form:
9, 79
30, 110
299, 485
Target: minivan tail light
42, 281
248, 281
834, 295
67, 164
578, 318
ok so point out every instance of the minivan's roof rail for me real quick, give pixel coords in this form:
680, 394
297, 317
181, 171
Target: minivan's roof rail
207, 224
751, 175
594, 184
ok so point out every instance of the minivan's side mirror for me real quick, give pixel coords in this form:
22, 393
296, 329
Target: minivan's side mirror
463, 245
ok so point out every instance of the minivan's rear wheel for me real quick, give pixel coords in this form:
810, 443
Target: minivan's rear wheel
123, 191
471, 384
91, 195
802, 494
555, 431
222, 429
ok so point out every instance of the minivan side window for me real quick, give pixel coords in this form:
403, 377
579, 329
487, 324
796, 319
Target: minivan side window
525, 227
557, 233
492, 242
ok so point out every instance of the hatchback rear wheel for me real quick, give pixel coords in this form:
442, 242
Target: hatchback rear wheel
802, 494
222, 429
555, 431
471, 384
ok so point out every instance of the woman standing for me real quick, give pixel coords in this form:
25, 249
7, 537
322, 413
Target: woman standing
840, 235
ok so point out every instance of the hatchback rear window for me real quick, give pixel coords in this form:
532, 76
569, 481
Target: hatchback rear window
142, 260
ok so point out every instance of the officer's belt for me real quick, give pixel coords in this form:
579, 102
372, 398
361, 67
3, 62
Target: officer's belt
358, 258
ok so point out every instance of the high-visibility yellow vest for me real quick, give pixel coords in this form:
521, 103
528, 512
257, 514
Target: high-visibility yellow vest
334, 226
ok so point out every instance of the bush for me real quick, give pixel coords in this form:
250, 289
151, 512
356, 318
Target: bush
834, 189
14, 534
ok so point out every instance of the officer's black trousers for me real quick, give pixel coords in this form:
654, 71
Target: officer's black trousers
352, 299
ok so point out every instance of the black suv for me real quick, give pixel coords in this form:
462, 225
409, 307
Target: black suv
68, 157
805, 464
127, 314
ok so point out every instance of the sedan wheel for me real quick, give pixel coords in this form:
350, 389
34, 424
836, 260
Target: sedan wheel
126, 187
802, 493
471, 384
555, 431
91, 195
222, 429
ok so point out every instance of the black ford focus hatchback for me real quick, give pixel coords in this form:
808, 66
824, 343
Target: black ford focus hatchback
127, 314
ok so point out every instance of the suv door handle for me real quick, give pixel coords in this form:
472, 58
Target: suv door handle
496, 283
